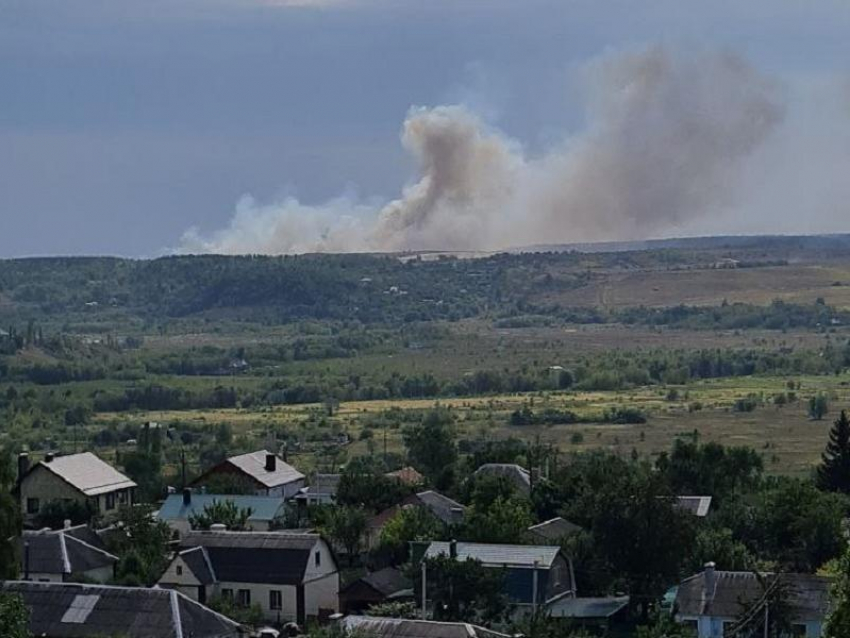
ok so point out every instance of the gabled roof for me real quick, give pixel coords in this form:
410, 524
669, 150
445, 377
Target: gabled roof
696, 505
263, 508
388, 582
402, 628
71, 610
407, 475
498, 555
59, 552
554, 529
199, 562
254, 465
808, 594
255, 557
516, 474
87, 473
449, 511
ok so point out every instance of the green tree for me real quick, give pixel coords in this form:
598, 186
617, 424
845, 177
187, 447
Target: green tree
504, 521
143, 547
834, 470
224, 483
14, 616
10, 519
346, 526
408, 525
838, 621
364, 485
224, 512
465, 591
641, 533
818, 406
431, 447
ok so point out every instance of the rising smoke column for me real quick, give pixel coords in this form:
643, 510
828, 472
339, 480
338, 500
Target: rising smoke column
667, 134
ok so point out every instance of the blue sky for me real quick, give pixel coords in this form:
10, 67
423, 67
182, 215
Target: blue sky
125, 123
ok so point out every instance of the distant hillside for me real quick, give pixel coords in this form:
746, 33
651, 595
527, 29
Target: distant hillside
97, 293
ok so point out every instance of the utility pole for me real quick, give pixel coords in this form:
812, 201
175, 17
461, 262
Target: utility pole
424, 589
766, 617
183, 467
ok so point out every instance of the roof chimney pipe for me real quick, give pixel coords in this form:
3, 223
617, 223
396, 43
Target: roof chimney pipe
23, 465
710, 581
187, 496
48, 458
271, 462
453, 549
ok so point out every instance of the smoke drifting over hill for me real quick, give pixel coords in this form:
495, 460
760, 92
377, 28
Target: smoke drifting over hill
666, 138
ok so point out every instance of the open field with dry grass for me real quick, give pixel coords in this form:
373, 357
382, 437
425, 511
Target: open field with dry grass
789, 441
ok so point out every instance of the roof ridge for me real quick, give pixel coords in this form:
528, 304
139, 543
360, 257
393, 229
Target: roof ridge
63, 548
89, 546
175, 614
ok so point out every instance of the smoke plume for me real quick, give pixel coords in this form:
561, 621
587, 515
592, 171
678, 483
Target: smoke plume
665, 140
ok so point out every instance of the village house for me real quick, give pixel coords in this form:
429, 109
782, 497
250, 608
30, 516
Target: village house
82, 478
407, 476
177, 509
73, 610
292, 577
321, 491
444, 509
270, 475
385, 585
74, 553
517, 475
530, 570
696, 505
713, 601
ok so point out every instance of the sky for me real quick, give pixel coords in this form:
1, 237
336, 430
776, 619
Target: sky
142, 127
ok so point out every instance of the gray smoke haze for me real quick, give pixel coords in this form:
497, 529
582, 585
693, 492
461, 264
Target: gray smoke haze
664, 147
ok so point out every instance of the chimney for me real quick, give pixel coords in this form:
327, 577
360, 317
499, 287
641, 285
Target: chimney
453, 549
710, 582
187, 496
66, 524
218, 527
23, 464
284, 452
271, 462
48, 457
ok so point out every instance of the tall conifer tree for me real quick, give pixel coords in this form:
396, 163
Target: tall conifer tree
834, 470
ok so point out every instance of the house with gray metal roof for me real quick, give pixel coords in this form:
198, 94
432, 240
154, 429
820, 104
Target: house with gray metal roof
385, 585
543, 570
63, 555
292, 577
73, 610
269, 474
517, 475
179, 508
83, 478
696, 505
375, 627
713, 601
553, 530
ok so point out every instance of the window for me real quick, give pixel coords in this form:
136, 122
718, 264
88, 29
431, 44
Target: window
227, 594
243, 598
32, 506
110, 501
275, 599
179, 570
318, 558
122, 496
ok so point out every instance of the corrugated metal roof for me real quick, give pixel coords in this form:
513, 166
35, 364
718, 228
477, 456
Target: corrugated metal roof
58, 552
254, 464
497, 555
88, 473
263, 508
402, 628
696, 505
72, 610
808, 595
517, 474
554, 529
587, 607
449, 511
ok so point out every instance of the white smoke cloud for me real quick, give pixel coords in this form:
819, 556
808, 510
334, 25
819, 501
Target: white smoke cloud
664, 147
